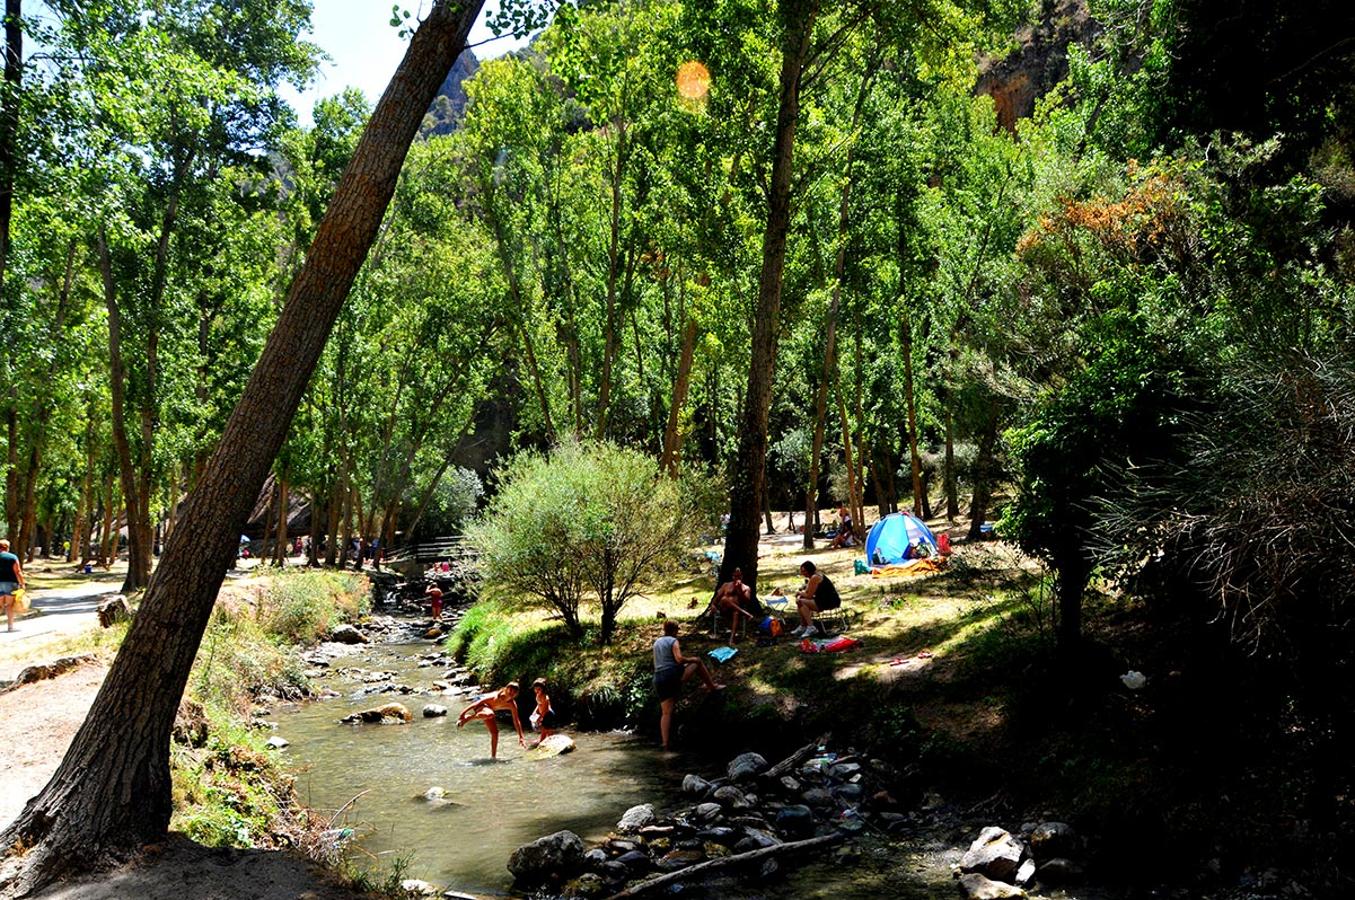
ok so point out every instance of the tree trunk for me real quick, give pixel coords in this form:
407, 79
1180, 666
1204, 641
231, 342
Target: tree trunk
112, 790
741, 537
137, 559
915, 458
852, 495
284, 504
672, 440
318, 519
610, 332
9, 130
984, 463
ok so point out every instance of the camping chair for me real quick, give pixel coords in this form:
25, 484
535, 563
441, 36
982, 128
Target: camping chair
835, 621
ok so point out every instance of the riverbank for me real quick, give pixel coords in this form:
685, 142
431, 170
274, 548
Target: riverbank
957, 684
234, 801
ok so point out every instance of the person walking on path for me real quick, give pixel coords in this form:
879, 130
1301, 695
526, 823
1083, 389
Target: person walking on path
11, 580
671, 669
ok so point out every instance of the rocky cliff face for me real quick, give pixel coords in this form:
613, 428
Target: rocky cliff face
1040, 60
445, 113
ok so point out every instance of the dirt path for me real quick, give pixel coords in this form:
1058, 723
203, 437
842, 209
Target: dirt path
57, 615
182, 870
37, 722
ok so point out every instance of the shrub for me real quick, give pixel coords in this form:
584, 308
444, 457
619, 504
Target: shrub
586, 521
302, 607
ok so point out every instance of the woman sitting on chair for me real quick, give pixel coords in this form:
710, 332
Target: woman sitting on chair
818, 595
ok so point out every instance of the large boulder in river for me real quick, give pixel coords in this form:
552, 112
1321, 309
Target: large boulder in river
434, 711
745, 766
550, 858
995, 854
387, 714
1052, 839
555, 745
347, 634
635, 818
975, 887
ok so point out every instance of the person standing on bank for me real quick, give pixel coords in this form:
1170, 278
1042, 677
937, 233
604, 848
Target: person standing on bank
671, 669
818, 595
11, 580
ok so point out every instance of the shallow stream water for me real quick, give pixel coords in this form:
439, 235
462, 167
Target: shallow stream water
494, 808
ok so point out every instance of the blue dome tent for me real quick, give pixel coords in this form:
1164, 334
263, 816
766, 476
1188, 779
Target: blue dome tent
888, 542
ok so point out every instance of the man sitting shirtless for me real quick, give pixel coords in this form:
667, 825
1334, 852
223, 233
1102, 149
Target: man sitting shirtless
485, 709
732, 597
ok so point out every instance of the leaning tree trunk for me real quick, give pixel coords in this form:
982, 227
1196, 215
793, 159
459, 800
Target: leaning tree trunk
112, 791
741, 537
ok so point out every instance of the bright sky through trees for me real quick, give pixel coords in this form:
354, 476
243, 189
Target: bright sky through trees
364, 49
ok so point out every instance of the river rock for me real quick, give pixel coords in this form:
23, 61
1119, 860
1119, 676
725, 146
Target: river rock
795, 822
433, 711
756, 839
1060, 871
347, 634
790, 784
586, 885
548, 858
616, 845
695, 786
389, 714
596, 857
634, 861
719, 834
1053, 839
1025, 873
555, 745
995, 854
614, 870
818, 798
769, 869
679, 859
635, 818
277, 743
976, 887
708, 811
730, 796
413, 887
844, 770
746, 766
850, 793
434, 793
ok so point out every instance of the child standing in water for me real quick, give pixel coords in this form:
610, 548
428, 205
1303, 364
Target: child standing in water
485, 708
543, 717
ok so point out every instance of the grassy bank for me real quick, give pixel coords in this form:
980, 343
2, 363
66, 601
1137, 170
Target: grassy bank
975, 616
229, 788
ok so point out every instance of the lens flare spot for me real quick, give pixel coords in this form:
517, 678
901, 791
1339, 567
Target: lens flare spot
693, 80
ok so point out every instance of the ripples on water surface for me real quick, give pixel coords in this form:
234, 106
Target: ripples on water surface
494, 808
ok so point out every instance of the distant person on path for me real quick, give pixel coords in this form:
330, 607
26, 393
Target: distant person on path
11, 580
435, 595
485, 708
844, 528
732, 597
671, 669
543, 718
818, 595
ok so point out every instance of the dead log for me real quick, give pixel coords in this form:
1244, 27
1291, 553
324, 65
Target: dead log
712, 865
796, 759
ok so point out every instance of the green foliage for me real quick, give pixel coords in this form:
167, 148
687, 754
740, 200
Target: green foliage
302, 607
585, 521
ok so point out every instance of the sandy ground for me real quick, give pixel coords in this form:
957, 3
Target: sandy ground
182, 870
37, 722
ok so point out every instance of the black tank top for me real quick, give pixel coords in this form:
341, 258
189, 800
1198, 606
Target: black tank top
826, 597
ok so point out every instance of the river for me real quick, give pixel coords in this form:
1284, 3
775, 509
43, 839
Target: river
494, 807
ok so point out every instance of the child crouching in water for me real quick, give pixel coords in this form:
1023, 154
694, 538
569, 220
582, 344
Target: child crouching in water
543, 717
485, 708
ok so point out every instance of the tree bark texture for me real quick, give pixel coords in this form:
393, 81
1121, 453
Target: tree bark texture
741, 537
111, 792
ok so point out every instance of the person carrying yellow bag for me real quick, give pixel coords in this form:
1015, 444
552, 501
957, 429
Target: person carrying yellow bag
11, 584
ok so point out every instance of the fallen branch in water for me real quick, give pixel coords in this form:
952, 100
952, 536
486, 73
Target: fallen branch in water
794, 761
725, 862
